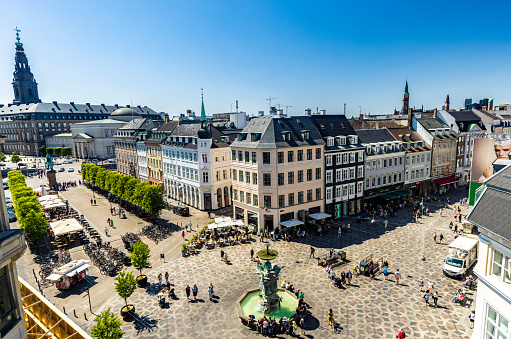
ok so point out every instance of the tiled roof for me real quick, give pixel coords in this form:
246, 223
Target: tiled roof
432, 123
370, 136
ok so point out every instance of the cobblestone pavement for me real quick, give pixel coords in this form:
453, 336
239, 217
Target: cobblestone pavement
368, 309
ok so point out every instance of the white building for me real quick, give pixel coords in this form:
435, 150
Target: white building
143, 172
491, 215
59, 140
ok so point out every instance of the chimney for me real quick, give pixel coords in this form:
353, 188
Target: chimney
434, 113
410, 117
308, 112
166, 118
322, 112
361, 117
260, 114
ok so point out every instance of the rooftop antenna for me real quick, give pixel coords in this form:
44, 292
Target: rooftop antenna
236, 105
344, 108
269, 100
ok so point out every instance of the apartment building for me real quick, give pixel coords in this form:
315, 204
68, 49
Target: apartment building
384, 166
277, 172
491, 215
344, 165
142, 170
417, 160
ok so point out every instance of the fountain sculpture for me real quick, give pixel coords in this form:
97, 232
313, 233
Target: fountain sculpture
268, 299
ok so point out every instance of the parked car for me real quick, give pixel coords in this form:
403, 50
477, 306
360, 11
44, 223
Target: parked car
8, 200
2, 164
62, 169
55, 163
21, 164
10, 208
6, 186
12, 217
70, 169
34, 166
67, 162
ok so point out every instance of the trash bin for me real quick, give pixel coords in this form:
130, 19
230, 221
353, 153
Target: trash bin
341, 255
364, 268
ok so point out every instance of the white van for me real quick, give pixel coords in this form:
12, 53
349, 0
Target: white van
462, 255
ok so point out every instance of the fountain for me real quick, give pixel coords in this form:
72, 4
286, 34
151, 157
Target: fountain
268, 300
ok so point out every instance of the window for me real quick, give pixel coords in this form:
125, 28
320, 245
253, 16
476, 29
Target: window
318, 173
318, 153
497, 326
367, 182
266, 158
290, 177
266, 179
247, 177
330, 141
300, 155
360, 171
281, 179
204, 158
345, 190
242, 196
352, 157
309, 154
9, 309
352, 189
248, 199
352, 173
254, 157
300, 197
300, 176
328, 194
338, 175
216, 156
329, 160
345, 174
318, 193
290, 156
328, 176
225, 174
345, 158
338, 192
247, 156
339, 159
309, 195
217, 175
205, 177
385, 163
359, 187
234, 174
254, 178
280, 156
309, 174
267, 201
291, 199
282, 201
235, 194
256, 200
241, 176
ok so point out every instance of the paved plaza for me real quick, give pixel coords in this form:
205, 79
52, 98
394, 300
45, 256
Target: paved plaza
368, 309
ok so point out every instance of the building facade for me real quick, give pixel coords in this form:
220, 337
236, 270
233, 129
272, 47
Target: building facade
154, 157
384, 167
142, 169
277, 171
417, 161
491, 215
344, 165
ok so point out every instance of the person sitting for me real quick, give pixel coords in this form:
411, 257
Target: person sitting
291, 288
287, 285
283, 284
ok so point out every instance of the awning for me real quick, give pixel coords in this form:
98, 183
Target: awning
53, 277
445, 181
48, 197
66, 226
291, 223
222, 219
395, 194
319, 216
53, 204
78, 270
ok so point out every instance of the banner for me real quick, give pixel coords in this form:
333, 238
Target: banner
486, 151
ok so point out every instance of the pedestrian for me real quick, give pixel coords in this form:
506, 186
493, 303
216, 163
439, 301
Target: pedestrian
421, 285
111, 222
160, 278
190, 226
212, 289
459, 217
397, 275
339, 232
385, 273
434, 237
401, 334
349, 276
108, 221
106, 231
441, 238
302, 325
455, 228
261, 235
435, 298
91, 201
331, 252
386, 223
349, 228
441, 210
183, 235
210, 294
430, 286
168, 285
312, 253
251, 254
187, 290
167, 276
331, 317
94, 201
426, 297
472, 317
186, 227
221, 254
111, 211
195, 290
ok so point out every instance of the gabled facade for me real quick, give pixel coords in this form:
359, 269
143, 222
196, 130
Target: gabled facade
344, 165
142, 169
491, 215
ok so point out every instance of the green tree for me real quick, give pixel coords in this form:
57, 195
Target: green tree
100, 177
153, 201
49, 150
2, 157
15, 158
35, 226
42, 151
108, 326
114, 177
66, 151
57, 151
129, 188
140, 256
121, 183
125, 285
138, 196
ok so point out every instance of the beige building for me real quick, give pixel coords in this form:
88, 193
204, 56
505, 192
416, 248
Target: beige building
277, 172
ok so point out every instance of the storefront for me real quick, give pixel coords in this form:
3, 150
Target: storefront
378, 196
418, 189
441, 185
239, 213
252, 220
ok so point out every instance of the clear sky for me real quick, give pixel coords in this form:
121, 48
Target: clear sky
307, 54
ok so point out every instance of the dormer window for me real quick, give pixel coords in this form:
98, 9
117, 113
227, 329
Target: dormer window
255, 136
243, 136
368, 150
330, 141
353, 139
306, 135
286, 135
341, 141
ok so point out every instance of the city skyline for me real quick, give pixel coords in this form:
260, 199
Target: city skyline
160, 55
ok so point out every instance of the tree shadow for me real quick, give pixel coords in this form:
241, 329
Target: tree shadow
144, 323
311, 322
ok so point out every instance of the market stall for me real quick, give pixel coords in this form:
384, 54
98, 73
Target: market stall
69, 274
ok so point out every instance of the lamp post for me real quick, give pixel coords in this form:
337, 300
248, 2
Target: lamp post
422, 229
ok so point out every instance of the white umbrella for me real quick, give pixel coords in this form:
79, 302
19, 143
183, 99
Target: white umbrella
53, 204
291, 223
222, 219
319, 216
66, 226
48, 197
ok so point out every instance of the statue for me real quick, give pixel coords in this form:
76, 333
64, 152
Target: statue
269, 275
49, 163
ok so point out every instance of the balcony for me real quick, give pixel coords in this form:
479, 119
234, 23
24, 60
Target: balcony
12, 244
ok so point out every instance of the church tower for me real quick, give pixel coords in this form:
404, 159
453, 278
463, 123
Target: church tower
23, 83
406, 100
446, 106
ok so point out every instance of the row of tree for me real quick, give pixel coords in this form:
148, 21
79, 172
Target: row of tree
56, 151
28, 211
149, 197
15, 158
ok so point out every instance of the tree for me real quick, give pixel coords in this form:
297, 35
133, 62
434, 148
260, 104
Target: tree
49, 150
35, 226
125, 285
140, 256
2, 157
57, 150
153, 201
129, 188
138, 196
15, 158
42, 151
121, 182
108, 326
66, 151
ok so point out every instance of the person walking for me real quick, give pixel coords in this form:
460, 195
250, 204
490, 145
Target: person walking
386, 224
426, 297
210, 293
397, 275
251, 254
302, 326
195, 290
472, 318
106, 231
441, 237
187, 291
349, 276
312, 253
435, 298
183, 235
349, 228
385, 273
94, 201
212, 289
401, 334
160, 278
421, 285
434, 237
339, 232
167, 276
222, 254
331, 317
455, 228
91, 201
112, 223
261, 235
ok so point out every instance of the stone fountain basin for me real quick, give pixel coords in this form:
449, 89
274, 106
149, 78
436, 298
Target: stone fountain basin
247, 305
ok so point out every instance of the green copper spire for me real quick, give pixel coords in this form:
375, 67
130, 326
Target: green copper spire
203, 120
406, 87
18, 43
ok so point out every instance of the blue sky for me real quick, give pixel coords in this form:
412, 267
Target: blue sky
306, 54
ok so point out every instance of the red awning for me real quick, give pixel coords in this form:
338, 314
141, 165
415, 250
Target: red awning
445, 181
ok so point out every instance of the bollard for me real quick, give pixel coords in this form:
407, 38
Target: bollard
85, 316
64, 309
74, 311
